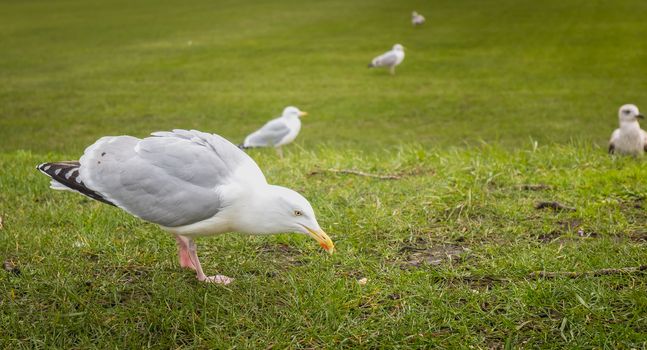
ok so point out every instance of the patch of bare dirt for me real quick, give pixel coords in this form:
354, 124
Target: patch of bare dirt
549, 237
433, 255
533, 187
633, 203
556, 206
282, 252
484, 282
90, 255
570, 225
585, 234
638, 236
352, 274
11, 267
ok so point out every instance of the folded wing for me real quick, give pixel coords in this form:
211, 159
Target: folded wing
269, 135
612, 142
386, 60
171, 179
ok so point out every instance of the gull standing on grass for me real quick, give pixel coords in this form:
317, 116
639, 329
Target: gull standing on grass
417, 19
191, 184
629, 138
389, 59
277, 132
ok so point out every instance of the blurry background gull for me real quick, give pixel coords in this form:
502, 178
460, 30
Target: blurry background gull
417, 19
629, 138
277, 132
389, 59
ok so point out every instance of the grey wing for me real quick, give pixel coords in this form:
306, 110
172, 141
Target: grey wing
612, 141
269, 135
171, 179
387, 59
644, 140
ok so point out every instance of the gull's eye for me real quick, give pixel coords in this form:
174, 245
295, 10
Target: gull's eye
298, 213
627, 111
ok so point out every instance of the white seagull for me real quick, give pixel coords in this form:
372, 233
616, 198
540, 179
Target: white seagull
417, 19
389, 59
277, 132
191, 184
629, 138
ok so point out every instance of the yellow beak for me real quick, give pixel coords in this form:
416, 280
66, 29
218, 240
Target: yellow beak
324, 241
303, 113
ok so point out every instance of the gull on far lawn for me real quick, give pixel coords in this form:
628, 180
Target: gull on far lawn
629, 138
277, 132
417, 19
190, 183
389, 59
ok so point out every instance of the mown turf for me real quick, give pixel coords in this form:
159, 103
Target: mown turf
492, 96
447, 251
503, 71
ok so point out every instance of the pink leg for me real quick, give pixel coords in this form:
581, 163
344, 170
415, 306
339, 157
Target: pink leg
191, 250
183, 253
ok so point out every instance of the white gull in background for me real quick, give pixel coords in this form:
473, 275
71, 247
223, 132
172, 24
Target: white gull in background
191, 184
417, 19
389, 59
629, 138
277, 132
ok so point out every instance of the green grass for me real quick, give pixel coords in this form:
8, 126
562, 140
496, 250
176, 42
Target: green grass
91, 274
491, 96
505, 71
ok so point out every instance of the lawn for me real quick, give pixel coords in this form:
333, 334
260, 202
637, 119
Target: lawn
498, 106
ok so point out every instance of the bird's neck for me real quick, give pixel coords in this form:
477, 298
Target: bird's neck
292, 120
290, 117
629, 126
256, 211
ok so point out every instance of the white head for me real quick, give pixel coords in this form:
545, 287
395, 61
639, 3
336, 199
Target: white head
282, 210
293, 112
398, 47
629, 114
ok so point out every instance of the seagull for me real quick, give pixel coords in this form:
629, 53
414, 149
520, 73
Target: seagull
417, 19
629, 138
191, 184
389, 59
277, 132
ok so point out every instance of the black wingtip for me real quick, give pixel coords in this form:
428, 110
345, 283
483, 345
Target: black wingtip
67, 174
43, 167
